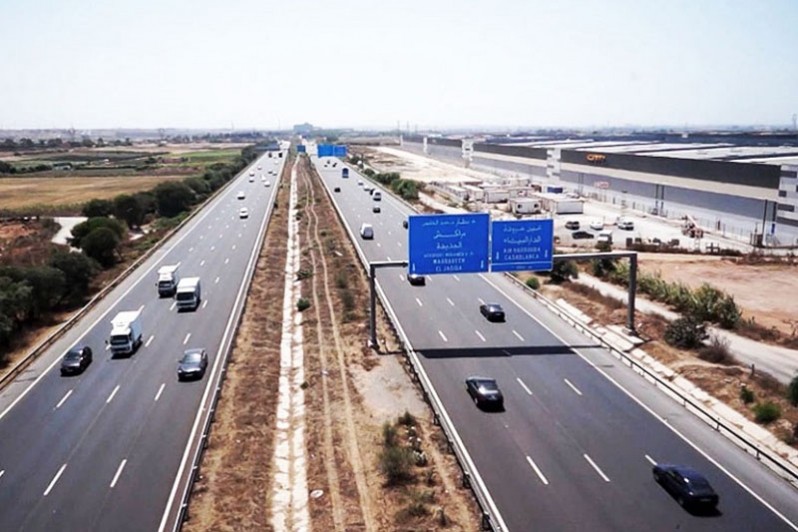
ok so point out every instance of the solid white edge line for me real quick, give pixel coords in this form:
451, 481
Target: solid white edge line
518, 335
113, 393
524, 386
118, 472
160, 391
574, 388
537, 470
55, 479
597, 468
63, 399
647, 409
480, 336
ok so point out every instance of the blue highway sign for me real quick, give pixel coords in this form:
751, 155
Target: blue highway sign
522, 245
448, 243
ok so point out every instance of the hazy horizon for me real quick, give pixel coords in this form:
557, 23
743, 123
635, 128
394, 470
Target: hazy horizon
443, 65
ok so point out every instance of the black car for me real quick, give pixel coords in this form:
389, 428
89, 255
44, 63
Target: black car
192, 365
687, 485
404, 224
580, 235
492, 311
375, 208
416, 279
337, 189
485, 392
572, 224
76, 360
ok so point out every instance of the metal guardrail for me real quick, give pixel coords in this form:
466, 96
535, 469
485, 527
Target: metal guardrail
185, 499
724, 428
471, 478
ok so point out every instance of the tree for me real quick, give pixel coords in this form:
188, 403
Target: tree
84, 228
46, 288
563, 270
129, 209
173, 198
200, 187
15, 298
97, 207
78, 270
686, 333
6, 168
101, 245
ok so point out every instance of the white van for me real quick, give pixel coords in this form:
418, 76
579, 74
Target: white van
366, 232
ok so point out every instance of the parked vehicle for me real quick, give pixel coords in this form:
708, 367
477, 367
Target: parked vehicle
192, 365
167, 280
688, 486
188, 293
597, 225
76, 360
581, 235
625, 224
572, 224
485, 392
125, 332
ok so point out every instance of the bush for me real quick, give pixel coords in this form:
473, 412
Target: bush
396, 464
407, 419
533, 283
303, 274
717, 351
766, 412
303, 304
685, 333
792, 391
602, 267
563, 270
746, 395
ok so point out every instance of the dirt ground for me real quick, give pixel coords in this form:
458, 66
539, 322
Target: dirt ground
766, 292
350, 391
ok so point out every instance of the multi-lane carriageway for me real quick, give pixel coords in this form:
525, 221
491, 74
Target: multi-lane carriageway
573, 449
102, 451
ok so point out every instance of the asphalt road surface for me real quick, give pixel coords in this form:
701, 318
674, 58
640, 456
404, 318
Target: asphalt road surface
102, 451
575, 446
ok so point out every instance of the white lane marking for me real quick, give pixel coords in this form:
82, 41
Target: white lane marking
174, 304
213, 248
443, 336
141, 308
202, 237
239, 235
226, 260
480, 336
202, 262
481, 301
2, 472
216, 281
204, 303
379, 245
450, 301
597, 468
118, 472
527, 390
160, 391
518, 335
537, 470
401, 277
574, 388
55, 479
388, 257
651, 460
456, 278
111, 397
63, 399
149, 341
221, 235
234, 246
185, 340
420, 304
399, 244
107, 347
191, 249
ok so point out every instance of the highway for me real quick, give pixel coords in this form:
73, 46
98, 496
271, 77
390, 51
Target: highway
574, 448
102, 451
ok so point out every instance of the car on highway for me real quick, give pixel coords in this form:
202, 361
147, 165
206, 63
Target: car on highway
76, 360
492, 311
192, 365
375, 208
241, 195
243, 212
597, 225
572, 224
416, 279
267, 184
337, 189
366, 231
485, 392
252, 173
404, 224
251, 179
259, 167
690, 488
582, 235
360, 182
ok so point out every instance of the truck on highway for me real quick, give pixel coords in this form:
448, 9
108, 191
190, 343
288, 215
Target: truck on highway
344, 172
125, 332
188, 293
168, 279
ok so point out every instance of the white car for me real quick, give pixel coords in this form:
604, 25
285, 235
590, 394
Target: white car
597, 225
241, 195
266, 184
366, 232
243, 212
626, 225
259, 167
252, 172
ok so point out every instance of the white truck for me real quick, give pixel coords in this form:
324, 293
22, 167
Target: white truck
167, 280
188, 293
125, 332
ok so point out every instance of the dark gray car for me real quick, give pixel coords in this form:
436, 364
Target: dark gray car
485, 392
192, 365
76, 360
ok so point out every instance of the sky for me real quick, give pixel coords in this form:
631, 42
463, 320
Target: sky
426, 64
